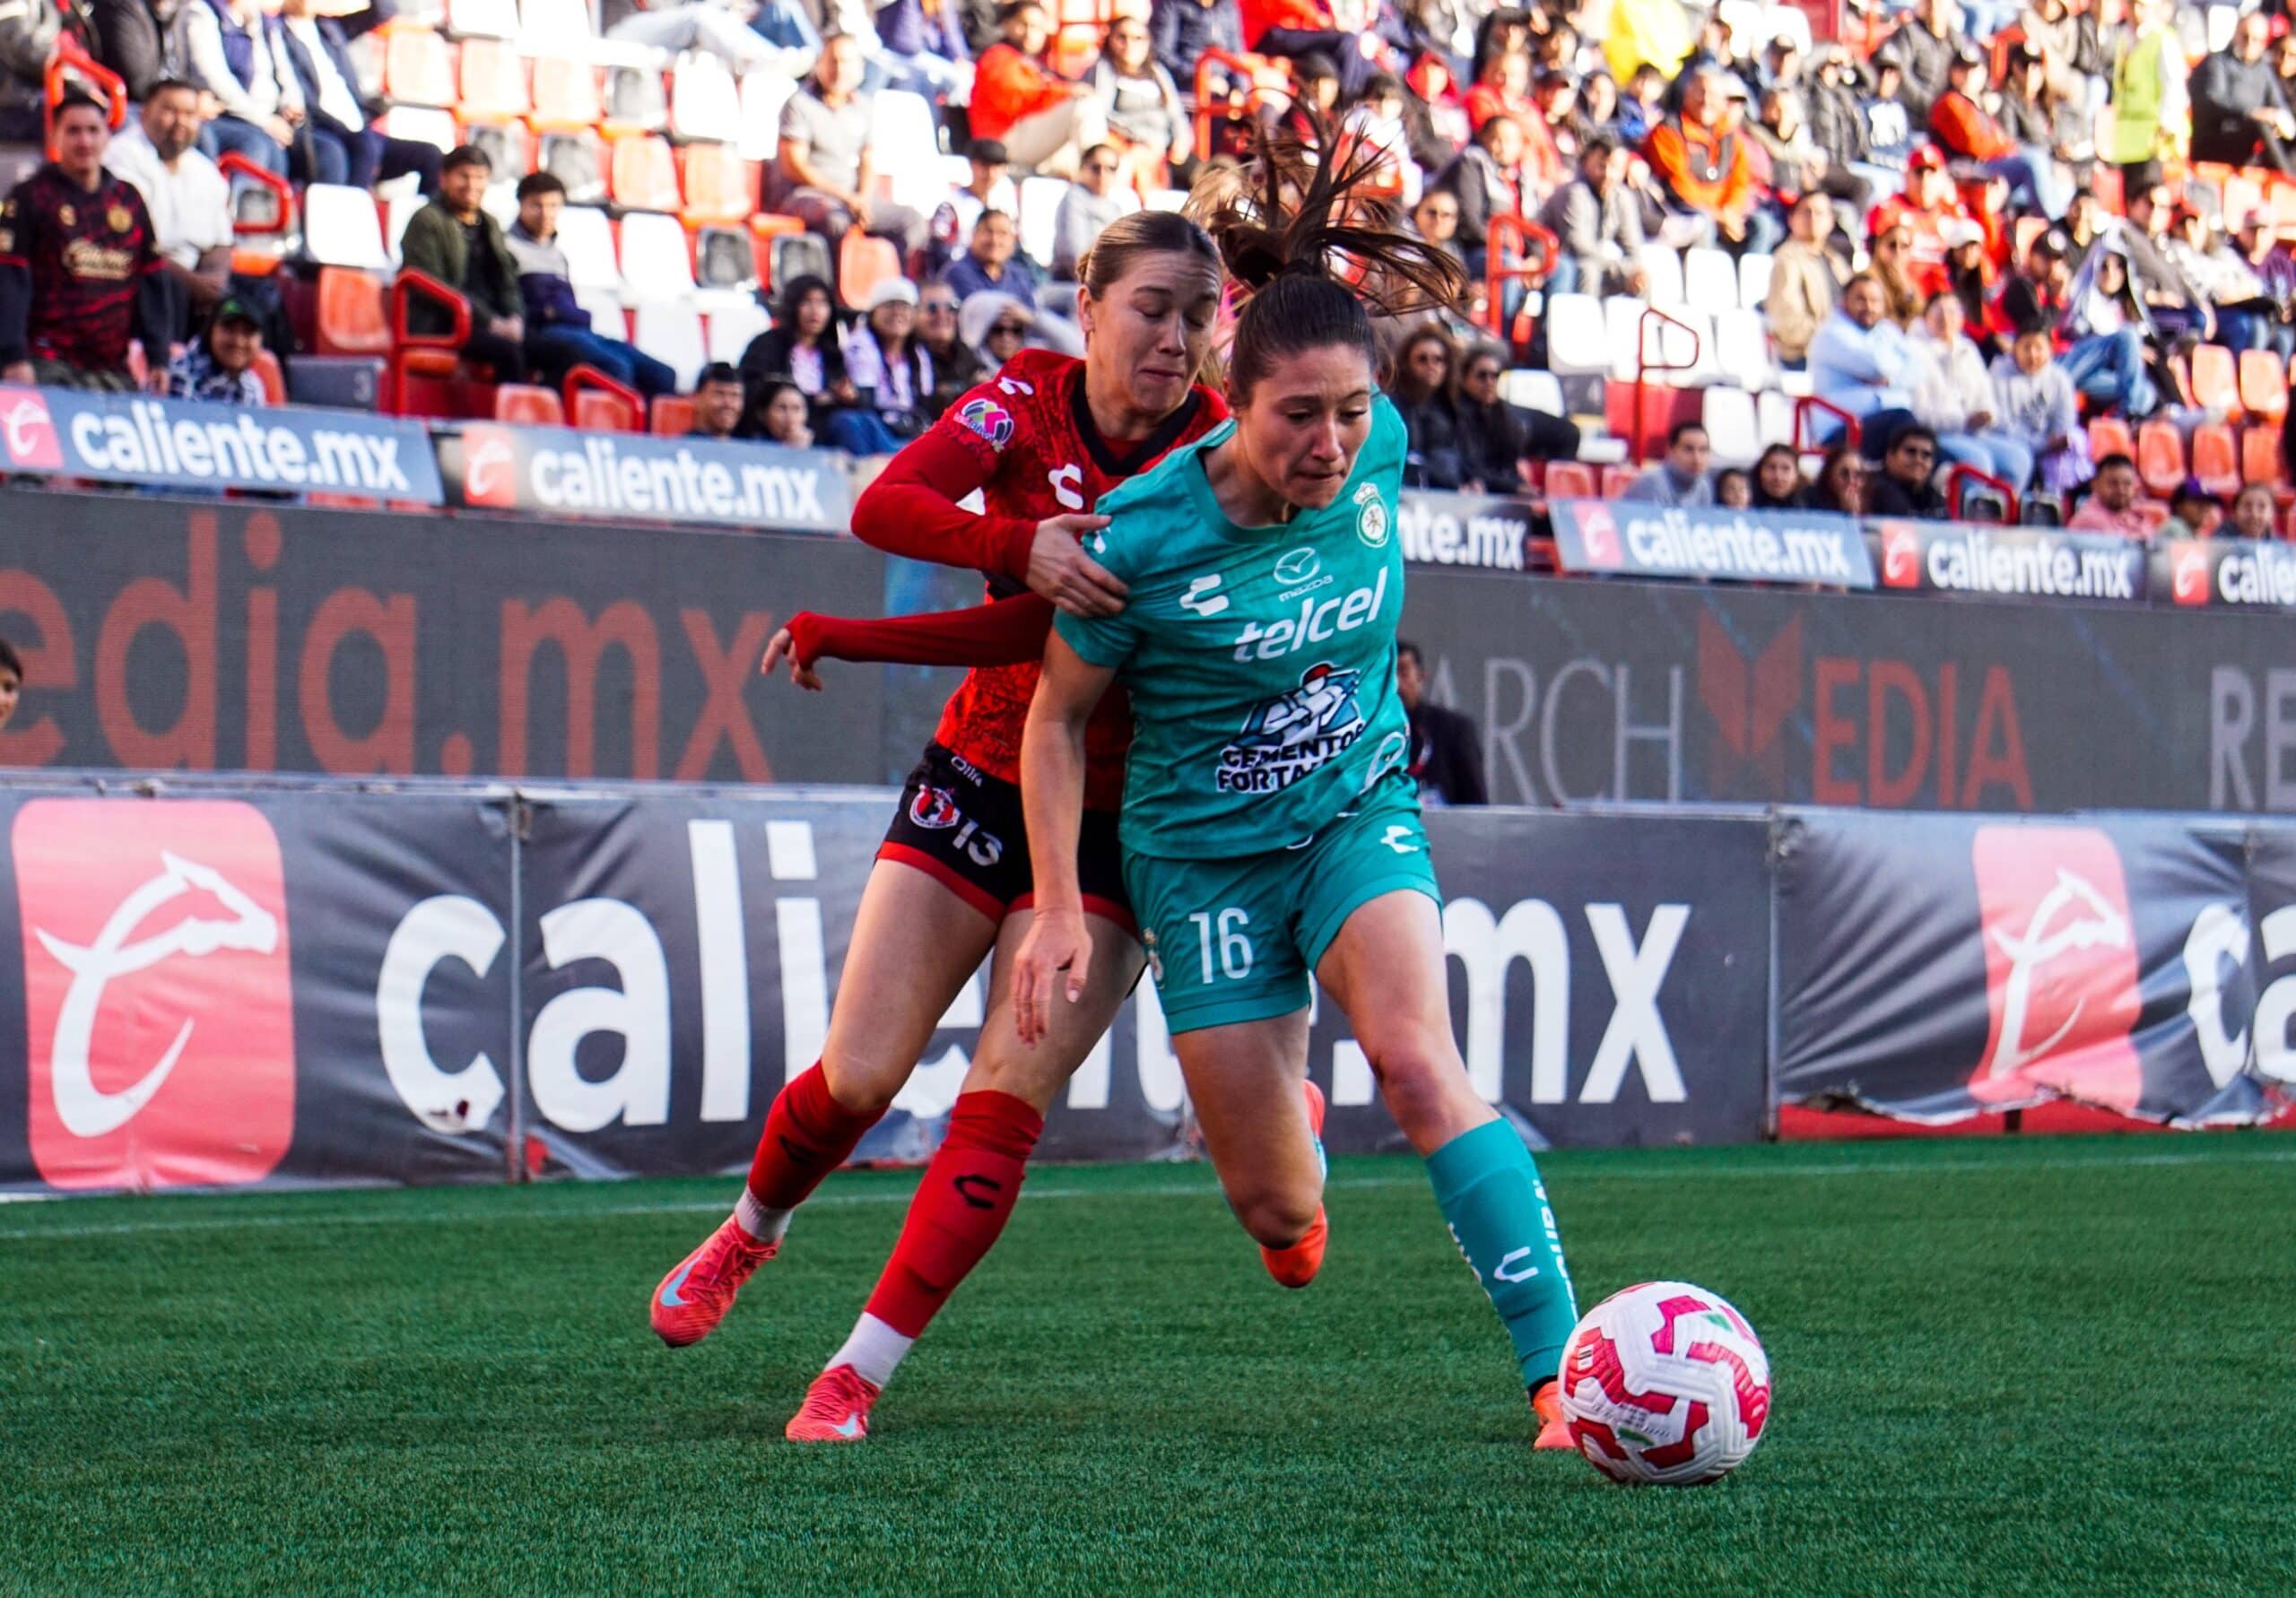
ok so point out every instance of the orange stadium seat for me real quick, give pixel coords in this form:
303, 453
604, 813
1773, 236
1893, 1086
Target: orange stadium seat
2160, 457
417, 69
565, 94
641, 174
528, 402
1569, 480
596, 411
274, 381
2216, 460
719, 185
2216, 380
493, 82
2264, 385
2110, 434
672, 415
1617, 479
351, 319
863, 261
2260, 455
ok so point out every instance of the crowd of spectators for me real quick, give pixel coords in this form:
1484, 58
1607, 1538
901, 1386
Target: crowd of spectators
1941, 266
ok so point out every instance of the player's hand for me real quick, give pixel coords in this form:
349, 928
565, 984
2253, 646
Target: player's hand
1061, 571
783, 647
1054, 958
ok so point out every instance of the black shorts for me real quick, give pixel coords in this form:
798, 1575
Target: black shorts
964, 829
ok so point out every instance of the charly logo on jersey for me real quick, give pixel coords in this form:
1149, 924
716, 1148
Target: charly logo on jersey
1202, 597
1370, 516
1286, 737
990, 420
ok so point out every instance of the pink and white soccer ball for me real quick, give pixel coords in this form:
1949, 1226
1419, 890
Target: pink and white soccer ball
1664, 1383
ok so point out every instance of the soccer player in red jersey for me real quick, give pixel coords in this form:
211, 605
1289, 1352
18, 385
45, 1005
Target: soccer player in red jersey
1041, 442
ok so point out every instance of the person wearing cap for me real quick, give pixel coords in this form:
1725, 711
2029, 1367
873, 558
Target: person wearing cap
1705, 166
220, 368
2239, 114
1922, 50
2151, 101
1959, 122
1046, 121
1927, 204
891, 370
558, 334
2193, 512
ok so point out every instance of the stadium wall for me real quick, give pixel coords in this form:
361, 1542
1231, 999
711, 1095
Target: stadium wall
238, 982
206, 635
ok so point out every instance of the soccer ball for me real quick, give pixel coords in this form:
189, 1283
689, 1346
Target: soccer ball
1664, 1383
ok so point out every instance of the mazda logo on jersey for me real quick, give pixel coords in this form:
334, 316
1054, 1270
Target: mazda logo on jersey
1298, 565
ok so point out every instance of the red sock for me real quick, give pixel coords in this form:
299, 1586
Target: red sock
960, 1208
807, 1136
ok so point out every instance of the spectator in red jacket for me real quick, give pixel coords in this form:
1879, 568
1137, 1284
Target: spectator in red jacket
1705, 165
1042, 119
1965, 128
1294, 29
1926, 205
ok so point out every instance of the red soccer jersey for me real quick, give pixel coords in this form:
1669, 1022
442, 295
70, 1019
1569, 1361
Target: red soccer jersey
1025, 440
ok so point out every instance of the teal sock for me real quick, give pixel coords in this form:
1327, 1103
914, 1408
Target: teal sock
1489, 1191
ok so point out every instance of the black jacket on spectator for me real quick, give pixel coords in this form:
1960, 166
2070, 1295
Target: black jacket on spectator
1886, 496
2226, 94
1434, 459
1179, 31
335, 34
28, 33
1473, 179
1446, 755
1836, 120
1921, 58
1495, 439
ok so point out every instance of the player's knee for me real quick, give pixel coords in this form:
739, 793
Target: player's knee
863, 1087
1277, 1218
1419, 1073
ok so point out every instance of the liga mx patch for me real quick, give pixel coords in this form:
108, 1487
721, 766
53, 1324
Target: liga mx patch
990, 420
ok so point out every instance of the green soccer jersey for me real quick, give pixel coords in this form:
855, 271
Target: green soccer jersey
1261, 661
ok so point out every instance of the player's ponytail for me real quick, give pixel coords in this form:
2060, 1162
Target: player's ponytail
1316, 257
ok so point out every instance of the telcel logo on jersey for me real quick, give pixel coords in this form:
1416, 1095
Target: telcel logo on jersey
1317, 621
1288, 736
159, 1008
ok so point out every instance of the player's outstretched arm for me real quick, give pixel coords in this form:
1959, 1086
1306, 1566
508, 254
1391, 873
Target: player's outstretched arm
1007, 633
1058, 949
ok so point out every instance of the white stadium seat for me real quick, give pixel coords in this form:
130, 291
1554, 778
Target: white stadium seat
1775, 413
1662, 271
1710, 281
606, 316
763, 94
671, 334
587, 238
342, 229
482, 19
705, 101
905, 139
556, 25
1575, 342
1754, 280
1039, 206
654, 261
1742, 348
422, 125
1732, 425
1533, 390
733, 326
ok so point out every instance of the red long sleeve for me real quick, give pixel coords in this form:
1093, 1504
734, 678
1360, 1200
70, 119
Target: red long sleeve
1009, 633
911, 510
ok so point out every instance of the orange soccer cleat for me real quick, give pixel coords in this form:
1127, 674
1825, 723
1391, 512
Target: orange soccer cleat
1296, 1266
692, 1299
836, 1408
1554, 1431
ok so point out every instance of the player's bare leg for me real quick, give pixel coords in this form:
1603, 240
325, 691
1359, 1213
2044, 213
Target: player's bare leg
915, 945
1385, 970
970, 1185
1262, 1122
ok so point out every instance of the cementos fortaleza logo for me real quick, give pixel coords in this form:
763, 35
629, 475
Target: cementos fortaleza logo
159, 1008
2060, 966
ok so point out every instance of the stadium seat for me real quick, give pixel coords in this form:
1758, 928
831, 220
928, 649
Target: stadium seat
732, 328
640, 174
555, 23
717, 183
1754, 280
586, 236
565, 94
2216, 380
2110, 434
2216, 459
420, 123
724, 256
906, 136
1039, 206
2154, 512
2264, 385
607, 317
1733, 425
341, 228
1575, 339
396, 214
598, 410
763, 94
417, 68
796, 255
1775, 412
672, 416
1533, 390
508, 147
1662, 274
671, 334
1709, 281
1742, 348
529, 403
2160, 457
1621, 317
1568, 479
482, 19
862, 262
656, 263
577, 158
348, 318
2260, 459
636, 102
705, 101
266, 368
1617, 479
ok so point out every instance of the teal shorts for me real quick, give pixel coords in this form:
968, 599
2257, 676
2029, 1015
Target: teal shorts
1236, 939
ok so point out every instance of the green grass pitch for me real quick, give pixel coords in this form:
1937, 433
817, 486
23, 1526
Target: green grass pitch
2009, 1366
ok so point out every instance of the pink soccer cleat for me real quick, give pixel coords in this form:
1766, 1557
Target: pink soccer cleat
692, 1299
836, 1408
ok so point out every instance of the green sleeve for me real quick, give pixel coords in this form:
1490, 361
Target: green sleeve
1100, 640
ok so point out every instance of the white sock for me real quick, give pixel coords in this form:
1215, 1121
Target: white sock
873, 1350
763, 1224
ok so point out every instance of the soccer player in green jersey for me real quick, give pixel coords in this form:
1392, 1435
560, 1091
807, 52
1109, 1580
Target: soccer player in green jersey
1269, 828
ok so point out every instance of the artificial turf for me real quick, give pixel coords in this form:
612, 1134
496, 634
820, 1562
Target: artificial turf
2017, 1364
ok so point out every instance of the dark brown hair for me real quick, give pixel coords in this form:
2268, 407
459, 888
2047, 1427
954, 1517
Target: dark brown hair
1288, 234
1139, 233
